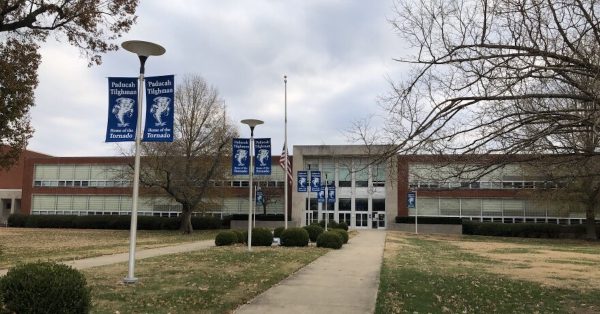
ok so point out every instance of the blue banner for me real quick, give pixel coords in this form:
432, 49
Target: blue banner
315, 181
240, 157
160, 108
411, 200
321, 194
122, 109
259, 197
262, 156
331, 194
302, 178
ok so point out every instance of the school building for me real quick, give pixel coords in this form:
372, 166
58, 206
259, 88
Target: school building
370, 193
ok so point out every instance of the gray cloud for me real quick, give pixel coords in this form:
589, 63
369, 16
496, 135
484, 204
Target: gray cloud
336, 55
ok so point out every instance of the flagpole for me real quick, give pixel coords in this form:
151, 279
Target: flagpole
285, 175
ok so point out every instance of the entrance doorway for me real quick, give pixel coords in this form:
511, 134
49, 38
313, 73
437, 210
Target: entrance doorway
362, 220
378, 220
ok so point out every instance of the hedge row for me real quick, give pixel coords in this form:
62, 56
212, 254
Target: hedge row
526, 230
110, 222
261, 217
429, 220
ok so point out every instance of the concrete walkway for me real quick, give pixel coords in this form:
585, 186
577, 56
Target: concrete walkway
342, 281
139, 254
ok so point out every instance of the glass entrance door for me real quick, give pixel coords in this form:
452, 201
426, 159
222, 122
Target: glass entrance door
378, 220
362, 220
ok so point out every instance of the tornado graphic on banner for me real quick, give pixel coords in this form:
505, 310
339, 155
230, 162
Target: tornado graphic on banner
302, 181
331, 194
122, 109
240, 157
262, 156
160, 108
315, 181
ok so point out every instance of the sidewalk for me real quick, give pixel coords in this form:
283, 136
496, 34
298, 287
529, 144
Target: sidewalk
342, 281
139, 254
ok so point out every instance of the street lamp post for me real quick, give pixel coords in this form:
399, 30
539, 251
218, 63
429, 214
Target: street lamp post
251, 123
144, 50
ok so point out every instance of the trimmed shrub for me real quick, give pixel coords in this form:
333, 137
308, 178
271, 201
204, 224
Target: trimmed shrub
119, 222
342, 225
226, 237
154, 223
343, 233
526, 230
313, 231
429, 220
332, 224
294, 237
262, 237
260, 217
44, 287
240, 236
206, 222
330, 239
17, 220
277, 232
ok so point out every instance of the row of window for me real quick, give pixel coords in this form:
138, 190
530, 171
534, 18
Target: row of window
486, 185
82, 183
345, 204
216, 183
497, 207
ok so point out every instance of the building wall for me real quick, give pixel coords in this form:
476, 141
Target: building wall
356, 203
102, 185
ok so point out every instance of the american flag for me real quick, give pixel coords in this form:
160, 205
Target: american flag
283, 160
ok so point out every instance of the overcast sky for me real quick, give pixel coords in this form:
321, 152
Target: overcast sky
337, 55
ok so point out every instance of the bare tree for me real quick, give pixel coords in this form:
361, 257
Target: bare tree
509, 80
90, 25
186, 168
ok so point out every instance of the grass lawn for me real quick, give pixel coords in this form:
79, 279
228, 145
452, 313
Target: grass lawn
27, 245
216, 280
445, 274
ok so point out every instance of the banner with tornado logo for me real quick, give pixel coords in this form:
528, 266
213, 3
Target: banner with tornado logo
122, 109
160, 108
262, 156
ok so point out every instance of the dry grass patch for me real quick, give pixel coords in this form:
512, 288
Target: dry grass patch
547, 264
216, 280
27, 244
455, 274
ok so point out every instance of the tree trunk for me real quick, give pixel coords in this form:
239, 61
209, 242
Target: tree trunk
590, 223
186, 221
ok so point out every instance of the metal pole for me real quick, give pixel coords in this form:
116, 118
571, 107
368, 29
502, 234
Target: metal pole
136, 177
416, 214
326, 214
285, 175
251, 171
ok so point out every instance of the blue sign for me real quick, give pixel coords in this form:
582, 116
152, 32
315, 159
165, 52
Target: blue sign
240, 157
315, 181
259, 197
411, 200
302, 181
160, 108
321, 194
122, 109
262, 156
331, 194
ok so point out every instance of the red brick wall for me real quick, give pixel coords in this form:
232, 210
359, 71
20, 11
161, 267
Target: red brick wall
13, 177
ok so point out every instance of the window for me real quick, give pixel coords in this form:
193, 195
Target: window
379, 205
378, 175
362, 204
345, 173
344, 204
